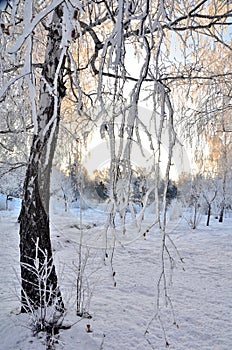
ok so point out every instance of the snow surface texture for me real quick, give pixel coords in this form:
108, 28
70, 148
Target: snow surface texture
201, 295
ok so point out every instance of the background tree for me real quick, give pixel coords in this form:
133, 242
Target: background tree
209, 191
191, 194
206, 113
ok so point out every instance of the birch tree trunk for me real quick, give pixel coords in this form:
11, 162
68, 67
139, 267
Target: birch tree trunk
39, 279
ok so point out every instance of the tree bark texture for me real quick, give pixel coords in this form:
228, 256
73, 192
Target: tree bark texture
38, 275
208, 214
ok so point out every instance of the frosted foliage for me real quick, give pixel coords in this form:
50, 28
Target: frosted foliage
122, 194
97, 43
11, 184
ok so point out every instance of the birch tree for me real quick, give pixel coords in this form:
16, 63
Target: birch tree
64, 50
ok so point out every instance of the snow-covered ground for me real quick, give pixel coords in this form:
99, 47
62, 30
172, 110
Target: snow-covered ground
121, 295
